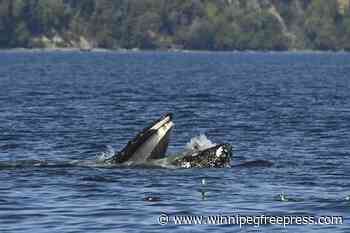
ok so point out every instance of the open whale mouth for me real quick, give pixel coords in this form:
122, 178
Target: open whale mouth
151, 143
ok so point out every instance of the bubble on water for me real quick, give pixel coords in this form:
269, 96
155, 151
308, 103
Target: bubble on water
151, 199
102, 156
199, 143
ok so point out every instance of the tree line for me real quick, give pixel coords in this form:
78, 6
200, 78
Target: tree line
178, 24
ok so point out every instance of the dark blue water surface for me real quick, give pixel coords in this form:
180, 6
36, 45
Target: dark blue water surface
292, 109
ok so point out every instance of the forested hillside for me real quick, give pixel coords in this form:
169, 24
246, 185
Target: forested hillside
176, 24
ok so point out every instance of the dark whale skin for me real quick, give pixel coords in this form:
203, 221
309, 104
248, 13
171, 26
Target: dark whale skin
218, 156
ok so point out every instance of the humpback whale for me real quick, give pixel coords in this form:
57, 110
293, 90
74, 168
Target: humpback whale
148, 148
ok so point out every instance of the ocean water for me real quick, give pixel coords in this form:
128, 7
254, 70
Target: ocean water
290, 111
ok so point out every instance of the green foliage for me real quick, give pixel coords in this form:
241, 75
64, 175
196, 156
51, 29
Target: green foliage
211, 11
345, 31
190, 24
145, 27
227, 36
321, 24
22, 34
6, 31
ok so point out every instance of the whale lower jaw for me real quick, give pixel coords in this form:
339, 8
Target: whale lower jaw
156, 145
151, 143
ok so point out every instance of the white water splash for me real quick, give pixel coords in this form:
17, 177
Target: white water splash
106, 154
199, 143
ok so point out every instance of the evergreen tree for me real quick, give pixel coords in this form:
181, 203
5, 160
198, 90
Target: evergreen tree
191, 24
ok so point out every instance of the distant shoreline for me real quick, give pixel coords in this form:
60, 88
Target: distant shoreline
136, 50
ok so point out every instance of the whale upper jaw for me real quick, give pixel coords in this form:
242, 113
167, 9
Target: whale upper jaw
151, 143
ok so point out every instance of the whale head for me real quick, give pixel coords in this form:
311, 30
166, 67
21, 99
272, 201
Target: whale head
217, 156
151, 143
